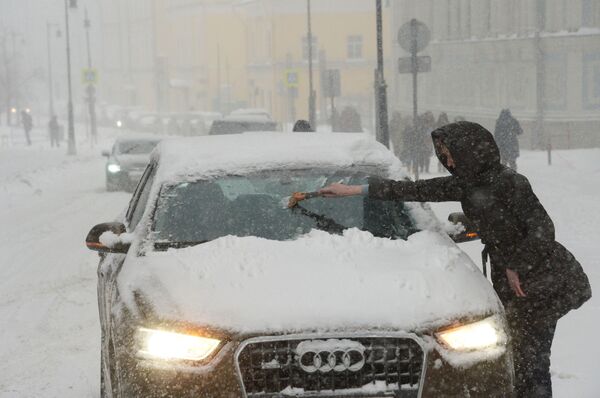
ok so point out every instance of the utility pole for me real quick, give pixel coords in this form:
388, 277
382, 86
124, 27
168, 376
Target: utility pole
540, 77
49, 27
382, 133
312, 113
91, 90
71, 149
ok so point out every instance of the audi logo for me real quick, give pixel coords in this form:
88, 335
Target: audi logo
330, 355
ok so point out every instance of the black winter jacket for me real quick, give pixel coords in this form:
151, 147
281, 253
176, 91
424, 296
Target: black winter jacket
512, 223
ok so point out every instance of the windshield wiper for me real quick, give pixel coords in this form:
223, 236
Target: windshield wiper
322, 222
176, 245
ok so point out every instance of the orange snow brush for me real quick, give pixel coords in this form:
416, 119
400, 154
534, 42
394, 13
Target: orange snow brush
298, 197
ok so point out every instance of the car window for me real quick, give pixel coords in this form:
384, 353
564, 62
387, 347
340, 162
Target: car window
140, 198
256, 205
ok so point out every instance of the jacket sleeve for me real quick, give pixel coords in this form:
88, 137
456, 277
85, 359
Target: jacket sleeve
442, 189
538, 228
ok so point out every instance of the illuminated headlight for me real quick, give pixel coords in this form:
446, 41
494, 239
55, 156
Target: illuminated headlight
113, 168
162, 344
487, 333
119, 123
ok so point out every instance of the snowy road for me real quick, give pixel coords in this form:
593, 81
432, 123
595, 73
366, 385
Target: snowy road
49, 339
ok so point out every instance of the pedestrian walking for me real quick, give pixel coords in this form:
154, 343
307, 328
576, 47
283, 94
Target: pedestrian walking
506, 134
54, 131
27, 121
426, 126
537, 279
441, 122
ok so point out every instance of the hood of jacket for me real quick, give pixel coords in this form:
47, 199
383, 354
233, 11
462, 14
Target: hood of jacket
472, 147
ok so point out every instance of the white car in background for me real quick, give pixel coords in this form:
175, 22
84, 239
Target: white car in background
210, 286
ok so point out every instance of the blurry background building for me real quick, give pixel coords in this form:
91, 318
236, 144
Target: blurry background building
540, 58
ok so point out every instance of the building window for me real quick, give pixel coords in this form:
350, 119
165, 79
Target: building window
315, 51
355, 45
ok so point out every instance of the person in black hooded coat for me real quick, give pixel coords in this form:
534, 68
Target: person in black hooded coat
536, 278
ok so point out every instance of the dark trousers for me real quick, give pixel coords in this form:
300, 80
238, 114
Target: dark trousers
532, 334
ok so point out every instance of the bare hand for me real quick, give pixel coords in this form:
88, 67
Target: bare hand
337, 190
514, 282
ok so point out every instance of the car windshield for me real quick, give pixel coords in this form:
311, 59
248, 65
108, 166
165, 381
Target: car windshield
136, 147
256, 205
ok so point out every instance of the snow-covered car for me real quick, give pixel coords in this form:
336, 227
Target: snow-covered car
127, 161
211, 286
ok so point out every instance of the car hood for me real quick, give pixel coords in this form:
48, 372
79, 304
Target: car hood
133, 161
317, 282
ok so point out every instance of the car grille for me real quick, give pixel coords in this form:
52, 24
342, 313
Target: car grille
392, 367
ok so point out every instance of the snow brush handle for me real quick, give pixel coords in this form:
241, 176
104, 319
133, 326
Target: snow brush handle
298, 197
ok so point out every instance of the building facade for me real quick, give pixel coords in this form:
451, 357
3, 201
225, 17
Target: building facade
540, 58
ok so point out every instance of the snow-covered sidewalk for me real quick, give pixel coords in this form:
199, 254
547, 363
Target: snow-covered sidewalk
49, 339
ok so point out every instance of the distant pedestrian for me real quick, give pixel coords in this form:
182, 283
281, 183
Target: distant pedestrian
506, 135
302, 126
441, 122
27, 121
426, 126
54, 131
397, 125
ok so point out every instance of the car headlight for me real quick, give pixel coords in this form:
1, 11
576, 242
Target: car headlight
113, 168
119, 123
487, 333
162, 344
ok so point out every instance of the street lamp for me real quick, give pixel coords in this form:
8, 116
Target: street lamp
91, 90
382, 133
49, 27
311, 95
71, 149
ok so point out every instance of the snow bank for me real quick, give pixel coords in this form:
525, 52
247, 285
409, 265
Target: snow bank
244, 153
317, 282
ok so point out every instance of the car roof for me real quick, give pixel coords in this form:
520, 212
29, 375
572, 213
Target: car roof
201, 157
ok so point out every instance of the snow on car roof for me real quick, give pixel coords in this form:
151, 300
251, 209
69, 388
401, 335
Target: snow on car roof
245, 153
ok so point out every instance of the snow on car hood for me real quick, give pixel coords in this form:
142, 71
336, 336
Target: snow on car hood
319, 281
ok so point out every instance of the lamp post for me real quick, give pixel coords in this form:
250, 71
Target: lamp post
71, 149
312, 113
91, 90
382, 133
49, 27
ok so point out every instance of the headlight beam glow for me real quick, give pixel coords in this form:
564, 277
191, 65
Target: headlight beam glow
480, 335
166, 345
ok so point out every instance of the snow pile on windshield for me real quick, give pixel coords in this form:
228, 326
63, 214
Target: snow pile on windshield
244, 153
317, 282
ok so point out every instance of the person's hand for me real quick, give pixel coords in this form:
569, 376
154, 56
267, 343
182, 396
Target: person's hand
514, 282
337, 190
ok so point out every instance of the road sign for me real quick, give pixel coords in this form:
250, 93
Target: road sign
423, 64
291, 78
414, 33
89, 76
331, 83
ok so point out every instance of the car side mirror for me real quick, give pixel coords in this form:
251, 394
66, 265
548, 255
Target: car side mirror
468, 234
105, 153
107, 238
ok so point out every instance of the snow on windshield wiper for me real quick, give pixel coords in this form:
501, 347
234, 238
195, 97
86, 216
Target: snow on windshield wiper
322, 222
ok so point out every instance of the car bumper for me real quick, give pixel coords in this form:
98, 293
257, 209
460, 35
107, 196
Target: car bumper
221, 378
123, 180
